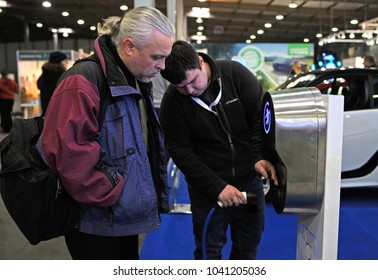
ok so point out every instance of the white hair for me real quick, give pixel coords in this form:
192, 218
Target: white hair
139, 24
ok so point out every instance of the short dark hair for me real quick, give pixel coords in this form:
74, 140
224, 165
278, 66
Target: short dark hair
57, 57
182, 58
369, 60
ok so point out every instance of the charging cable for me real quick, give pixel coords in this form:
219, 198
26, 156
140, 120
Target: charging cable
251, 199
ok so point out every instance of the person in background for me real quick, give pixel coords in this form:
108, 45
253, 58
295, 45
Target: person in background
8, 89
296, 68
118, 174
369, 61
51, 71
211, 118
159, 85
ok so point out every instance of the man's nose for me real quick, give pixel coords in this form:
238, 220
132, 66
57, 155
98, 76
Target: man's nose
161, 64
189, 89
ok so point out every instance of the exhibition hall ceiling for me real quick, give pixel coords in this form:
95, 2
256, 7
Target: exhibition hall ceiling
230, 21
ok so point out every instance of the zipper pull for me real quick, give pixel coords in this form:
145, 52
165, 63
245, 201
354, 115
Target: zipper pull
111, 215
58, 189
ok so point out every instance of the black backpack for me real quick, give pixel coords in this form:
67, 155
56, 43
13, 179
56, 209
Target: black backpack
31, 191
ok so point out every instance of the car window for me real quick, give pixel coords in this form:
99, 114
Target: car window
357, 96
298, 82
353, 89
333, 86
359, 92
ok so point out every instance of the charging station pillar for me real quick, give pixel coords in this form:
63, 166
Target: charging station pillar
303, 132
325, 225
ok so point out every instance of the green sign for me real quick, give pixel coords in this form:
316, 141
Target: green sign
253, 57
299, 49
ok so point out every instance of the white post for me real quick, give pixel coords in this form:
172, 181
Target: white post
317, 235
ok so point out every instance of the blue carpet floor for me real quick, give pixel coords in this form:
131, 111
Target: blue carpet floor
358, 228
174, 241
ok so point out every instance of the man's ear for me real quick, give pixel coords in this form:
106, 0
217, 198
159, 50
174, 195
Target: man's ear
200, 58
128, 45
201, 62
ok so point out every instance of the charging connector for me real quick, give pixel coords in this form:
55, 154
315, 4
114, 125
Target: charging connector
251, 198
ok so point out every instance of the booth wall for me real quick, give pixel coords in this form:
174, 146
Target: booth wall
8, 51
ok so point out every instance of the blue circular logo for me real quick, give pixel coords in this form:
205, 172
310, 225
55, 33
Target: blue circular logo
267, 117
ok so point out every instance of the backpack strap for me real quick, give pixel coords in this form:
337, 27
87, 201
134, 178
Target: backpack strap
103, 88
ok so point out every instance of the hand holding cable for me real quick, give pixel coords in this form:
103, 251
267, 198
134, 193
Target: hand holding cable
231, 196
228, 195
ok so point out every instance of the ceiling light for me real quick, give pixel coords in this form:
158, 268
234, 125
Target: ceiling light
196, 37
319, 35
80, 21
371, 43
46, 4
201, 27
93, 28
54, 30
306, 40
260, 31
124, 8
348, 36
199, 20
65, 14
252, 37
335, 29
200, 12
199, 33
248, 41
65, 35
39, 25
279, 17
268, 25
65, 30
354, 21
293, 5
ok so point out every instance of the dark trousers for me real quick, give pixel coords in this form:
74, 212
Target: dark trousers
83, 246
6, 106
246, 225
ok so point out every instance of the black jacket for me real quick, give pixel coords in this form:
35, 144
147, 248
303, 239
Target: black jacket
46, 83
198, 141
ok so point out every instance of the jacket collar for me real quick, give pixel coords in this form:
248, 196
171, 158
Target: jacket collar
215, 74
109, 59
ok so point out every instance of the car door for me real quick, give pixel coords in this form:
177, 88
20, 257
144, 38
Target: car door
360, 134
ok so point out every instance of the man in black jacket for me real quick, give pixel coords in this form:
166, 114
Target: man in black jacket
211, 117
51, 72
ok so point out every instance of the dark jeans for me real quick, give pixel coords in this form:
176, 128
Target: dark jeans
246, 225
83, 246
